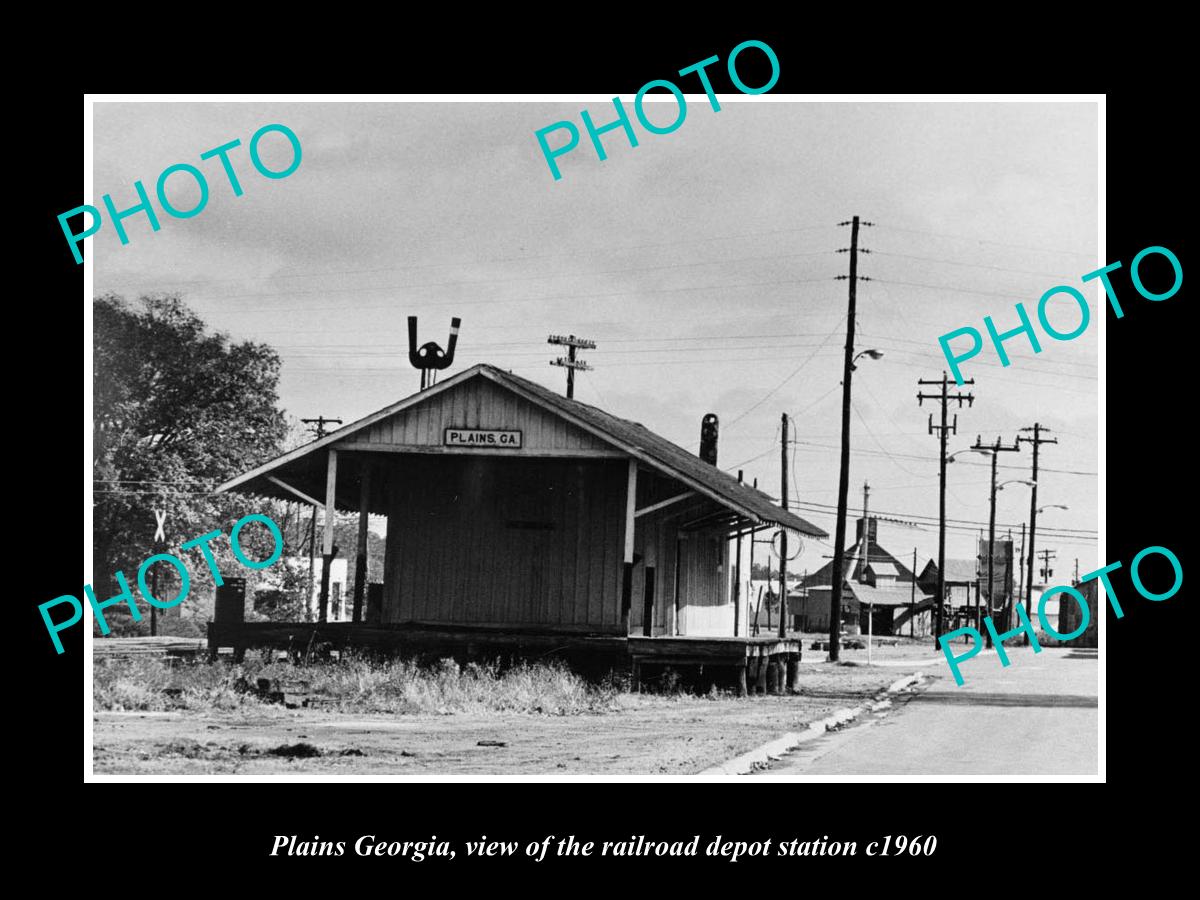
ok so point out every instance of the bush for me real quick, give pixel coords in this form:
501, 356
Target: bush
356, 683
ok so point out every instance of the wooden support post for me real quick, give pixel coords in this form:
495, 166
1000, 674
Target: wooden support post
775, 676
630, 510
327, 543
760, 675
360, 559
637, 677
741, 679
648, 603
675, 614
793, 672
737, 576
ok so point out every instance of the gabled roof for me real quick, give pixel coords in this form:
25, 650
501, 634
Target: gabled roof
862, 553
958, 571
883, 568
631, 438
875, 596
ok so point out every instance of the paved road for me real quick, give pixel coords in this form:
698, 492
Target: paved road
1038, 716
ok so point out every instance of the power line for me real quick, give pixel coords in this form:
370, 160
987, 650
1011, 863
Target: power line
951, 262
936, 355
796, 371
899, 340
474, 262
968, 239
932, 520
520, 278
934, 459
347, 351
952, 289
880, 444
491, 301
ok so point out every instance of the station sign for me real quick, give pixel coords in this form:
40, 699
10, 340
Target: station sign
476, 437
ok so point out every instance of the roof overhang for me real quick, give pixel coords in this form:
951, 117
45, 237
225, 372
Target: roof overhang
256, 481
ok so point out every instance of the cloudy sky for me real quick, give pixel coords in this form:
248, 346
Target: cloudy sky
701, 262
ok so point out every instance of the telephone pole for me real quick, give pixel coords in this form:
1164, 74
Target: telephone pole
317, 427
572, 344
750, 586
1020, 563
835, 594
737, 576
912, 600
783, 550
1037, 440
1047, 556
943, 430
995, 450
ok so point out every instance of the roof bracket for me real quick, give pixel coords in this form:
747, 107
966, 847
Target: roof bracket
653, 507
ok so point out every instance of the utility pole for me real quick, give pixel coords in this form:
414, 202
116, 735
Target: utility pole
835, 594
912, 602
943, 430
750, 593
572, 344
783, 550
1047, 556
317, 427
1037, 440
995, 450
1076, 581
737, 578
1020, 571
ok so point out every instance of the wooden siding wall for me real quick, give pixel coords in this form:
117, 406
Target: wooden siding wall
477, 403
490, 540
704, 601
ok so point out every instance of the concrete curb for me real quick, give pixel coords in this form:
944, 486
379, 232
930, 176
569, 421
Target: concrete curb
744, 764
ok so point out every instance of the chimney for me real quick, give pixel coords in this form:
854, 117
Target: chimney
708, 439
872, 530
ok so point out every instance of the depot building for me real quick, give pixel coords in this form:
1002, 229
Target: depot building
517, 514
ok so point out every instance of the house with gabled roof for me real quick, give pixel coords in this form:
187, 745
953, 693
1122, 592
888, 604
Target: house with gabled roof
879, 592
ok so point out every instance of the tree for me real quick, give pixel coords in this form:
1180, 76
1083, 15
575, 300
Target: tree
176, 410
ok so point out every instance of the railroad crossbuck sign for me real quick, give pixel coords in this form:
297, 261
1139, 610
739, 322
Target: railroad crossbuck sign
474, 437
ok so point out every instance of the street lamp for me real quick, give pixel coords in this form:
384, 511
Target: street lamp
1052, 506
1024, 481
873, 354
950, 458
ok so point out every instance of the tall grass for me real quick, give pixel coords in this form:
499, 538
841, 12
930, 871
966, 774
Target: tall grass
356, 683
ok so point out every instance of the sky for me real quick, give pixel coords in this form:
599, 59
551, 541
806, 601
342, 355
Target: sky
703, 264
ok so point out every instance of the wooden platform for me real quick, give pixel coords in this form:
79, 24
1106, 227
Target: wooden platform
760, 659
702, 649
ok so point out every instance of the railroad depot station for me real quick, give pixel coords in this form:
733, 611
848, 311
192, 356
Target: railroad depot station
521, 522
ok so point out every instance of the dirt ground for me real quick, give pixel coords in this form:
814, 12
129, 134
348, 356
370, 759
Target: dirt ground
646, 735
